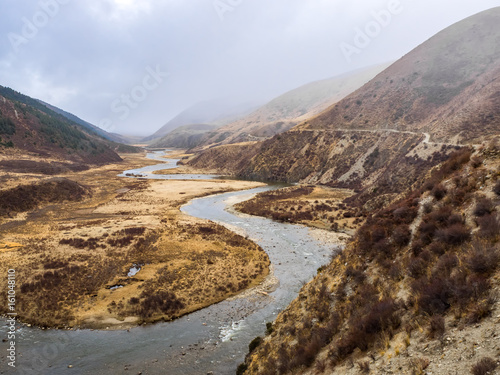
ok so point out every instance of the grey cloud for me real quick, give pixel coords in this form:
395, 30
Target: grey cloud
91, 52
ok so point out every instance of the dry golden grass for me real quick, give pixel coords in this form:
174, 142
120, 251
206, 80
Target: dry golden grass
73, 252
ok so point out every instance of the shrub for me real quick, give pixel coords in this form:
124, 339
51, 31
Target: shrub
416, 267
357, 274
27, 197
482, 259
489, 226
438, 192
459, 195
417, 247
254, 344
55, 264
426, 232
454, 235
160, 302
496, 188
437, 326
484, 207
80, 243
269, 328
396, 271
466, 289
380, 317
476, 161
404, 214
455, 219
437, 248
241, 369
309, 348
440, 216
445, 264
484, 366
135, 231
366, 326
401, 235
364, 367
434, 296
480, 310
120, 242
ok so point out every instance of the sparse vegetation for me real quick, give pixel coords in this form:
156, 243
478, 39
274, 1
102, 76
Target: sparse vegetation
313, 206
444, 261
484, 366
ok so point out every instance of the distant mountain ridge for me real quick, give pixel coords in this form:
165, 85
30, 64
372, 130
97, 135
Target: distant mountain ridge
213, 112
185, 137
291, 108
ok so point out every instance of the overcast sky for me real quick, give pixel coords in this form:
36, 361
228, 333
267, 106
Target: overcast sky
131, 65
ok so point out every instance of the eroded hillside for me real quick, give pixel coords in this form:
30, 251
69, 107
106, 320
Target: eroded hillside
416, 290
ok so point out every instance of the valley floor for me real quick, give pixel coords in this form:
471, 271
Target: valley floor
73, 259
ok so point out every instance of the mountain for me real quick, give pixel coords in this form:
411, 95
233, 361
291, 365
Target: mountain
28, 127
386, 135
421, 276
291, 108
87, 125
414, 290
185, 137
213, 112
447, 87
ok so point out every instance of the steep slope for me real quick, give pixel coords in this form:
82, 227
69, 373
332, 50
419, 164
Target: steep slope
214, 112
414, 292
87, 125
187, 136
291, 108
28, 127
447, 87
385, 136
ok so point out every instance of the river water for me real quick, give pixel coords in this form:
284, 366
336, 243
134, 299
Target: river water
214, 339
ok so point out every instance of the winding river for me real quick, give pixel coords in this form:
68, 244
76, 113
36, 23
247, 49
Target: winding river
214, 339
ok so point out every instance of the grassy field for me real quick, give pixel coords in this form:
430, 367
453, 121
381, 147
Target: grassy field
70, 252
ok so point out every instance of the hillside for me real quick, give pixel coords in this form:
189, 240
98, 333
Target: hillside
187, 136
30, 129
415, 292
384, 137
87, 125
213, 112
291, 108
447, 87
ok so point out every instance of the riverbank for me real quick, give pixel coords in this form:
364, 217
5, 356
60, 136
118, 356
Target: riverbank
74, 265
318, 207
